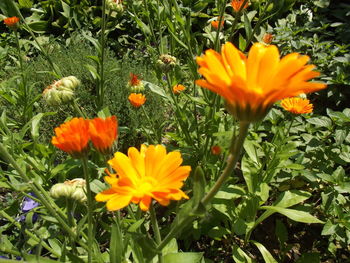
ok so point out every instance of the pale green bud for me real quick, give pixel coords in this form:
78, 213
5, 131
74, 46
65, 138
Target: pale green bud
166, 62
115, 5
61, 190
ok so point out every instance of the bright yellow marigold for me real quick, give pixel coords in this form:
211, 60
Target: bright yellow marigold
150, 173
72, 137
251, 85
297, 105
12, 22
177, 89
137, 99
103, 133
237, 5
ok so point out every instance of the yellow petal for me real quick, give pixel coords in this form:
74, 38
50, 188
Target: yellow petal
118, 202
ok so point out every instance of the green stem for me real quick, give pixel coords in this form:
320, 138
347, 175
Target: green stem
78, 109
101, 91
156, 231
232, 159
41, 194
222, 10
158, 139
231, 162
30, 234
235, 22
89, 208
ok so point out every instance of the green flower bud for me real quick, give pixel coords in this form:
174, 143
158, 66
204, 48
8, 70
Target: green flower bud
61, 190
73, 189
115, 5
166, 62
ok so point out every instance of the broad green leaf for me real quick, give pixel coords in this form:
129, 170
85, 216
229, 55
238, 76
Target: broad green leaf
35, 123
292, 197
171, 247
264, 252
25, 3
156, 89
97, 186
328, 229
198, 185
239, 256
321, 121
116, 244
296, 215
188, 257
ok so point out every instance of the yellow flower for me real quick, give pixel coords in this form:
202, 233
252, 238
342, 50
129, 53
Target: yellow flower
137, 99
251, 85
143, 175
297, 105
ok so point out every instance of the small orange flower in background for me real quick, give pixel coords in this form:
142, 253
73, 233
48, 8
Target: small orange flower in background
72, 137
177, 89
251, 85
137, 99
237, 5
103, 133
134, 80
267, 38
141, 176
216, 150
12, 22
215, 23
297, 105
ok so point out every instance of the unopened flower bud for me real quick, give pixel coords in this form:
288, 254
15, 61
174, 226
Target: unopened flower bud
166, 62
73, 189
61, 190
61, 91
115, 5
135, 85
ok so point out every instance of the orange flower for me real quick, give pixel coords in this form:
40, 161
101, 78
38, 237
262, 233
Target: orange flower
267, 38
134, 80
237, 5
143, 175
137, 99
251, 85
72, 137
297, 105
215, 23
103, 132
216, 150
12, 22
177, 89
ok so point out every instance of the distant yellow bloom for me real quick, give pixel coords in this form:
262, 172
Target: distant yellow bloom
237, 5
297, 105
177, 89
150, 173
137, 99
251, 85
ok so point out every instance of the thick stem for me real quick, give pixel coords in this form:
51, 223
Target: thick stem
156, 231
89, 208
231, 162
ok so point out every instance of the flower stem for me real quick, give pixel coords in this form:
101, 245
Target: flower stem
78, 109
232, 159
158, 140
89, 208
101, 91
156, 231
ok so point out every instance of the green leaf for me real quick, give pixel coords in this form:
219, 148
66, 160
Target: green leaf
116, 244
35, 123
198, 186
239, 256
188, 257
328, 229
38, 26
264, 252
321, 121
156, 89
296, 215
292, 197
25, 3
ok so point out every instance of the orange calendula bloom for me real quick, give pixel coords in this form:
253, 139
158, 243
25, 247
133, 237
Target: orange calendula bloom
72, 137
103, 132
215, 23
237, 5
137, 99
134, 80
177, 89
251, 85
141, 176
297, 105
12, 22
216, 150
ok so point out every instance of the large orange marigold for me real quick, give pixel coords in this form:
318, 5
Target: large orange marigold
72, 137
103, 133
141, 176
251, 85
